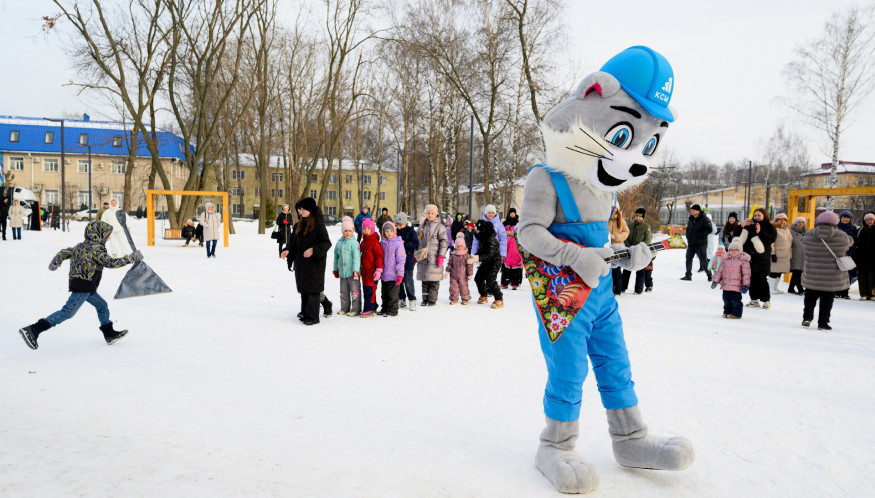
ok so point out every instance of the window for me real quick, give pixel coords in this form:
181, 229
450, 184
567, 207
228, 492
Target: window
861, 181
348, 179
83, 166
238, 174
332, 179
382, 196
871, 181
14, 135
118, 167
366, 195
276, 193
82, 198
181, 148
826, 181
382, 179
50, 165
117, 141
16, 164
119, 196
83, 139
276, 177
332, 210
332, 195
313, 194
237, 209
347, 194
257, 191
238, 191
366, 180
314, 178
51, 197
50, 137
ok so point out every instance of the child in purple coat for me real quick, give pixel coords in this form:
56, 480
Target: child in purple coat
394, 258
459, 271
734, 277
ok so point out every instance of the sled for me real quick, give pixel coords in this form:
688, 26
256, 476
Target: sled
140, 279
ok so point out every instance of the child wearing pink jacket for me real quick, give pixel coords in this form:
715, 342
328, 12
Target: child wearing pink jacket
459, 271
512, 269
733, 275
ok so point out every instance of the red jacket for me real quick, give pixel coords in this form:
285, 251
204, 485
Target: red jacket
372, 258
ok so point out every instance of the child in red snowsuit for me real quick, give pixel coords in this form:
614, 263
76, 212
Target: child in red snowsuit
372, 266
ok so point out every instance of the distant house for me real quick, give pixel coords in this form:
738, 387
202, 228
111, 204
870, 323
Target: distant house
850, 174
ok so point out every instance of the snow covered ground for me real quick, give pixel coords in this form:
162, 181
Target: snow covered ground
218, 390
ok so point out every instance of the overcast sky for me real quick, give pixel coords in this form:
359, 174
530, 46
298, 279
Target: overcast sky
727, 62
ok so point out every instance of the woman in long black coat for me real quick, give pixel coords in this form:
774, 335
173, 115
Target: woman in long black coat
307, 253
284, 225
757, 235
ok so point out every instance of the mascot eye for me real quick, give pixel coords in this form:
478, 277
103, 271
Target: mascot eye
620, 135
650, 146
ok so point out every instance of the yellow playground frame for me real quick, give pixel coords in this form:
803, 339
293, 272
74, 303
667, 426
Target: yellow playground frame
150, 209
811, 194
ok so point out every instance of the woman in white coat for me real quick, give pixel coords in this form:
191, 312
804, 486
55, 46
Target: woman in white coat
117, 244
212, 223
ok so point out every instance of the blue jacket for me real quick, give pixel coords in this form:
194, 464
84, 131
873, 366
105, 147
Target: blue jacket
411, 244
347, 257
359, 219
500, 234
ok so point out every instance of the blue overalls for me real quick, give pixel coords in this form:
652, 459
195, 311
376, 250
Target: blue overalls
596, 331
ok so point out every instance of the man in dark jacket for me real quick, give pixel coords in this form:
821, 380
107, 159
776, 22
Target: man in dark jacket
698, 229
408, 234
366, 213
639, 231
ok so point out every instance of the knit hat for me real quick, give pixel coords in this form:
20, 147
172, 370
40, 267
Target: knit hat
401, 218
782, 216
721, 247
798, 219
347, 224
696, 207
490, 208
869, 216
736, 244
847, 213
390, 225
460, 240
469, 224
640, 212
733, 215
509, 228
827, 217
307, 203
369, 223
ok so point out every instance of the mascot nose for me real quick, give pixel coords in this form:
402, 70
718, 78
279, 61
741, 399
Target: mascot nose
638, 169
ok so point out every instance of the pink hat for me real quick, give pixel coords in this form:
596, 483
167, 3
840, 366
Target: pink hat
460, 240
347, 224
369, 223
827, 217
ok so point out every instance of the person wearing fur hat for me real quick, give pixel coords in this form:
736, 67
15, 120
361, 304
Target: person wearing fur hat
307, 253
512, 268
459, 271
846, 225
372, 266
733, 276
512, 218
393, 269
284, 224
797, 231
731, 229
639, 231
212, 222
347, 265
782, 252
757, 235
407, 290
864, 256
821, 276
698, 229
490, 262
430, 255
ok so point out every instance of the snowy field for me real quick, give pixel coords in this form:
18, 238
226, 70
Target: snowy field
218, 390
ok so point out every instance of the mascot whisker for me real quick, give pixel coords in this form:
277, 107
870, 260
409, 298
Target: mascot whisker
599, 141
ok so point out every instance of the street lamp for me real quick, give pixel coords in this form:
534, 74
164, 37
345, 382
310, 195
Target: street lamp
63, 217
84, 142
471, 167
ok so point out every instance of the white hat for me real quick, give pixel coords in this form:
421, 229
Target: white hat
490, 208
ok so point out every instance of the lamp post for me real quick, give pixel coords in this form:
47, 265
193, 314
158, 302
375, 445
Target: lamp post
84, 142
471, 167
63, 217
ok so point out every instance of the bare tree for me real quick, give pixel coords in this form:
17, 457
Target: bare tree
833, 75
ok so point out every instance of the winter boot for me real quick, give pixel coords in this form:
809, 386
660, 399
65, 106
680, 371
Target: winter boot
774, 285
111, 336
498, 303
412, 305
634, 448
402, 303
483, 300
326, 307
558, 461
754, 303
31, 333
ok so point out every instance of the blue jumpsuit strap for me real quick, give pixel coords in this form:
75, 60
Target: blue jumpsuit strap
563, 191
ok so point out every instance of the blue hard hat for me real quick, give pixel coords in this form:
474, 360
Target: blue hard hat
645, 75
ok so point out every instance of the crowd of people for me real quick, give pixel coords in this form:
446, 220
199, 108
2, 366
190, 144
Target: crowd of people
754, 254
389, 253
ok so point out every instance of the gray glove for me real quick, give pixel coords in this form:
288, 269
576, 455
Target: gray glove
136, 256
589, 263
640, 256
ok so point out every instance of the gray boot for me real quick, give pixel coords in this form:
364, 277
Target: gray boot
558, 461
634, 448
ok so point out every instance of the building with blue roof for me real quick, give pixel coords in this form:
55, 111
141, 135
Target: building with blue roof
30, 156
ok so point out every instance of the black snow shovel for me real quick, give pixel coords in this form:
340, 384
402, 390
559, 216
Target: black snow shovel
140, 279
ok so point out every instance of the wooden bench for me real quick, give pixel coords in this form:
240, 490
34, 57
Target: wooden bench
172, 234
